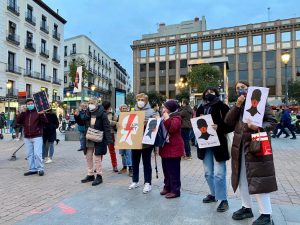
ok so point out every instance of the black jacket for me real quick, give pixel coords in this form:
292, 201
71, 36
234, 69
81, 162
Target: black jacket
218, 113
49, 133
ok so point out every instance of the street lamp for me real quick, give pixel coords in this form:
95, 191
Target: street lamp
285, 58
9, 86
93, 87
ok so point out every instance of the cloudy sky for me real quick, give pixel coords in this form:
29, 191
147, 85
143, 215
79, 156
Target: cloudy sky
115, 24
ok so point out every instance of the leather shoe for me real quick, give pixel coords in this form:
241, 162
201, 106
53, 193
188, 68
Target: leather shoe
172, 195
164, 192
30, 173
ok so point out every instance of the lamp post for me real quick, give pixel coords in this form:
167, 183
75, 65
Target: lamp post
285, 58
9, 86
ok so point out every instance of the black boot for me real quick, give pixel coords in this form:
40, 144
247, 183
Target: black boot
209, 199
242, 213
98, 180
223, 206
264, 219
88, 179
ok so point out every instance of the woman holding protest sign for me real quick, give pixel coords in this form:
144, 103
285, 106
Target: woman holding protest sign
253, 173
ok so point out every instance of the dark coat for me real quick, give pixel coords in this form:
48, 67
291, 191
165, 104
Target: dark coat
102, 124
175, 147
186, 114
259, 169
218, 113
50, 128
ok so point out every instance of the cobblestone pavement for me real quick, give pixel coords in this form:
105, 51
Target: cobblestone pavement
23, 196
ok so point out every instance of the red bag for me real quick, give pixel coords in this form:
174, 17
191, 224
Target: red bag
265, 144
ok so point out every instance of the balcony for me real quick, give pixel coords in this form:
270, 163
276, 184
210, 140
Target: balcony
44, 28
43, 77
44, 53
72, 52
12, 7
30, 46
28, 73
30, 18
56, 58
55, 98
95, 58
56, 81
38, 76
90, 54
56, 35
13, 38
13, 69
95, 71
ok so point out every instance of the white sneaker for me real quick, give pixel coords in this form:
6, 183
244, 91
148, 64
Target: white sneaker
49, 161
147, 188
133, 186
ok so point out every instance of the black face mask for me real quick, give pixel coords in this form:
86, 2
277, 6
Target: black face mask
210, 97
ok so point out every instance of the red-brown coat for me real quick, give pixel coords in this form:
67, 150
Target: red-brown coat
175, 147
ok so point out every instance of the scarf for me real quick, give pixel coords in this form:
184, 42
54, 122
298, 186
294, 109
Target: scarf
207, 106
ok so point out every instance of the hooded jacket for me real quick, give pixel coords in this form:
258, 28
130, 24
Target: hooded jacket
186, 113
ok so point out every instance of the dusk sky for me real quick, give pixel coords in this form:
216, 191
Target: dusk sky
114, 24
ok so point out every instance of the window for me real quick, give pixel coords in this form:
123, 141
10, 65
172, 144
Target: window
172, 50
151, 52
162, 65
65, 79
43, 46
242, 41
29, 37
206, 46
243, 75
90, 52
74, 48
43, 71
66, 51
55, 29
243, 58
183, 48
270, 38
217, 44
143, 53
257, 40
65, 63
28, 69
183, 63
10, 90
151, 67
257, 57
143, 68
172, 65
270, 55
12, 29
44, 21
11, 61
28, 90
298, 35
55, 51
231, 59
29, 12
54, 74
45, 90
230, 43
285, 36
151, 81
194, 47
162, 51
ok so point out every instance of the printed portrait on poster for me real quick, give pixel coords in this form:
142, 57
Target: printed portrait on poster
205, 135
151, 131
41, 101
78, 80
130, 130
255, 105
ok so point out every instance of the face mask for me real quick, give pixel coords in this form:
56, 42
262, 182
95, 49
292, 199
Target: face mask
210, 97
30, 107
92, 107
242, 91
141, 104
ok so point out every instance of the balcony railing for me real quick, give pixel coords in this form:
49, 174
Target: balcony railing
95, 71
56, 58
13, 69
57, 81
12, 7
55, 98
13, 38
72, 52
45, 78
30, 18
28, 73
44, 53
56, 35
37, 75
90, 54
44, 27
30, 46
95, 58
12, 93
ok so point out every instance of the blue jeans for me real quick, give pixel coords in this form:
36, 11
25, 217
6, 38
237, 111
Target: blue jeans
34, 151
82, 140
215, 175
48, 149
126, 157
186, 136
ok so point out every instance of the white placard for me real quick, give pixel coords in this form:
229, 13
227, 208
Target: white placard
205, 135
78, 80
151, 131
255, 105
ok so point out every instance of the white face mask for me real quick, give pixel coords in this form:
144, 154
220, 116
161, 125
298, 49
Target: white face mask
141, 104
92, 107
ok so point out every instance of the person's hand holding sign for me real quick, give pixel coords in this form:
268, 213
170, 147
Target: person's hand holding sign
240, 101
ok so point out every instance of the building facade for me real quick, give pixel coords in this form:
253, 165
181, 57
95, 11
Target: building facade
253, 52
31, 46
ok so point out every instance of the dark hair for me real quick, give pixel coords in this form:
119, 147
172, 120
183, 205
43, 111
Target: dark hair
185, 101
201, 123
29, 100
242, 82
153, 104
212, 89
256, 94
106, 105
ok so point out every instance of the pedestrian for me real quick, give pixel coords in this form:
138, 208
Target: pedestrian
286, 122
155, 108
2, 124
96, 118
254, 175
193, 140
186, 114
214, 158
49, 136
172, 151
113, 123
126, 154
60, 118
80, 119
143, 105
278, 115
17, 127
33, 123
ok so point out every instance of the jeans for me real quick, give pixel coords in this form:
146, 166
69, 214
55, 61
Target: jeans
34, 151
82, 140
215, 175
48, 149
289, 127
126, 157
186, 136
136, 158
171, 169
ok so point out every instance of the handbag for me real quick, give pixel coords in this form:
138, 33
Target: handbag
260, 144
94, 135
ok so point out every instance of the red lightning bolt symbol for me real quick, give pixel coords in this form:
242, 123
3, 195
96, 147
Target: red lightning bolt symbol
128, 125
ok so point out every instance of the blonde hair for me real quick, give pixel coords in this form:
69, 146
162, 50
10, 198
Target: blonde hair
94, 100
141, 95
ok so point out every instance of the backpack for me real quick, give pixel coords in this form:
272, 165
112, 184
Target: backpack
162, 136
